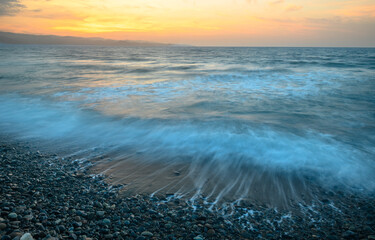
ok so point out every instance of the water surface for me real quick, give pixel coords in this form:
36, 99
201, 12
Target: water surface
211, 121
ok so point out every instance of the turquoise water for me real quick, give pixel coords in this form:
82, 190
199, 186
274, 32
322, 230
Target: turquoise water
304, 110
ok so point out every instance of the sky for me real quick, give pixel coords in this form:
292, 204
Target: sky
327, 23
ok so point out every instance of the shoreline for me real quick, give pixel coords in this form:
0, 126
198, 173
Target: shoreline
53, 198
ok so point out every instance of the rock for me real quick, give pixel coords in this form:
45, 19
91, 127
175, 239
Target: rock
147, 234
16, 233
100, 213
2, 226
6, 237
332, 237
348, 234
12, 215
207, 225
106, 221
168, 226
61, 228
27, 236
77, 224
211, 231
372, 237
73, 236
246, 234
28, 217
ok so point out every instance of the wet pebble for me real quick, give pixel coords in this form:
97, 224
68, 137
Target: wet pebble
27, 236
12, 215
60, 202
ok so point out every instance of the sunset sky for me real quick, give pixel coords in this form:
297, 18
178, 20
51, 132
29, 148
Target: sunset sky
199, 22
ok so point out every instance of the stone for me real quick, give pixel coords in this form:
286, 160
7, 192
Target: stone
2, 226
207, 225
6, 237
100, 213
12, 215
106, 221
168, 225
28, 217
16, 233
147, 234
348, 234
73, 236
27, 236
61, 228
211, 231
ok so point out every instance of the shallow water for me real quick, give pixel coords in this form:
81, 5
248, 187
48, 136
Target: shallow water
231, 118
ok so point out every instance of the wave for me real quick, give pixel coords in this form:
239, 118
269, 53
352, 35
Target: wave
225, 146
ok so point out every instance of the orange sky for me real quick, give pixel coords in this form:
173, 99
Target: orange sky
199, 22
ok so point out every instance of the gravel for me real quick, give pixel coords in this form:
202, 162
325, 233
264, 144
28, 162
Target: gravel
44, 196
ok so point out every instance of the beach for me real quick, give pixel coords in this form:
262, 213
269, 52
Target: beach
53, 198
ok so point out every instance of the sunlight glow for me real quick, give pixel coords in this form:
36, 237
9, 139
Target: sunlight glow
209, 22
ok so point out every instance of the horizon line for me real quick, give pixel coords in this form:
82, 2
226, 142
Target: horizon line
169, 44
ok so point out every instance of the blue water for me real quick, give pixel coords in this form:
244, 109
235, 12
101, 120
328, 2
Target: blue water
304, 110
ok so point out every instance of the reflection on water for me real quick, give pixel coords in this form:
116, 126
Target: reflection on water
240, 122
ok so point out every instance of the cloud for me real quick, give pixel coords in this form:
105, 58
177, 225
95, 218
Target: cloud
293, 8
276, 2
357, 11
10, 7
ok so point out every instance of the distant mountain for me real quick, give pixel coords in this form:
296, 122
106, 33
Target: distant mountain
17, 38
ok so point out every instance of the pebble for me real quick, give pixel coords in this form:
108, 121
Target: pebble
168, 225
211, 231
60, 202
348, 234
100, 213
12, 215
106, 221
147, 234
27, 236
2, 226
28, 217
207, 225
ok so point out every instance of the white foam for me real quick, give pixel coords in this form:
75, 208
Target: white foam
217, 145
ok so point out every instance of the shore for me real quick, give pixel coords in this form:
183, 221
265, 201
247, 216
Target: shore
44, 196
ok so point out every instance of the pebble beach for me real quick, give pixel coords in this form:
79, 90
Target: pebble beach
44, 196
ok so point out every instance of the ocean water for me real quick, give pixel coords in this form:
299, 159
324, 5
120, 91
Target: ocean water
225, 113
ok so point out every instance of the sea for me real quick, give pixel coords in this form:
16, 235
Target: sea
227, 119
